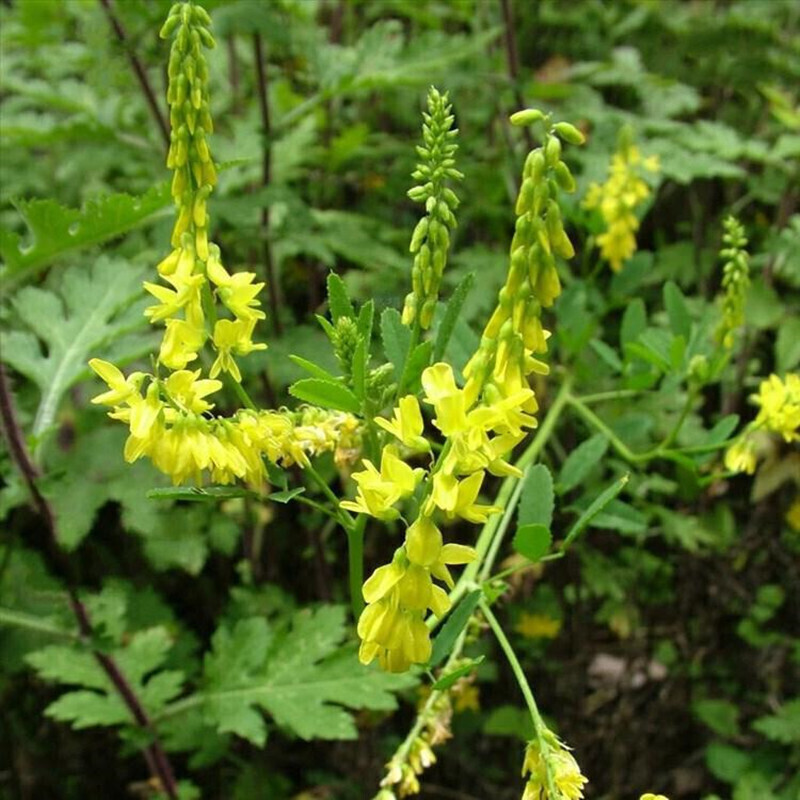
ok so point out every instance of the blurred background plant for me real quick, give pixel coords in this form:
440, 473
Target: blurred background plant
666, 641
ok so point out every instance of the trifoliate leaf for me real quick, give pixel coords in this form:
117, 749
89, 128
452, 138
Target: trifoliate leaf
301, 677
89, 310
55, 230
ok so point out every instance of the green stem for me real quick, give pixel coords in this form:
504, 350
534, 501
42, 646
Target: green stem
504, 497
355, 559
32, 623
345, 520
241, 393
539, 726
595, 421
617, 394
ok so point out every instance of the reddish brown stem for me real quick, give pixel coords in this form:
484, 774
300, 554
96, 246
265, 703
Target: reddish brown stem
156, 758
138, 69
512, 59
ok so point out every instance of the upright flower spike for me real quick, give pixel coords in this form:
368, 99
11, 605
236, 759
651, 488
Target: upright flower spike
514, 337
619, 197
735, 280
431, 238
169, 417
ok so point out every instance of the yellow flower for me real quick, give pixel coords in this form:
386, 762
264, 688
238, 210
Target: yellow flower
379, 491
186, 294
567, 776
741, 456
237, 291
537, 626
184, 389
651, 796
182, 340
232, 336
780, 406
449, 401
122, 389
457, 498
407, 424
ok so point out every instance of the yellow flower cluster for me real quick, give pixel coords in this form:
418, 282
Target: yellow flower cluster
553, 758
779, 402
170, 424
514, 336
169, 418
398, 595
617, 200
197, 280
651, 796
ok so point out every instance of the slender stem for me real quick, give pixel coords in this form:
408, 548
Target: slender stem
154, 754
139, 71
355, 560
492, 525
512, 59
242, 394
266, 179
345, 520
538, 723
595, 421
617, 394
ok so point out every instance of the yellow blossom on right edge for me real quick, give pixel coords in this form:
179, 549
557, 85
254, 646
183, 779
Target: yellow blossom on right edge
618, 198
779, 412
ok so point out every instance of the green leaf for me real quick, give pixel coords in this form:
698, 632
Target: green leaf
90, 312
326, 394
446, 681
607, 354
726, 762
787, 346
451, 315
360, 369
365, 321
418, 361
581, 461
338, 299
313, 369
459, 617
510, 721
204, 494
721, 716
533, 541
784, 725
97, 702
619, 516
54, 230
634, 321
302, 677
536, 500
286, 496
396, 339
595, 508
679, 320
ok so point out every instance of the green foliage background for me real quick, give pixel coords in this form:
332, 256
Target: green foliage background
676, 666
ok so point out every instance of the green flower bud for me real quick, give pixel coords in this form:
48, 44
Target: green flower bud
526, 117
569, 133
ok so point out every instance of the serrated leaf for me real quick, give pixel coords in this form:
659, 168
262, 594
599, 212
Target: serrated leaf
338, 299
533, 541
536, 500
417, 362
313, 369
454, 624
451, 314
54, 230
98, 702
396, 339
326, 394
88, 312
303, 678
365, 321
581, 461
359, 368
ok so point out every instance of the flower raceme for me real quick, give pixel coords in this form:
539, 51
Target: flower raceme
618, 198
